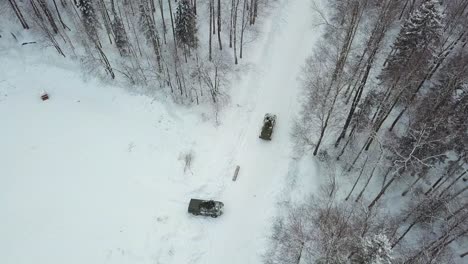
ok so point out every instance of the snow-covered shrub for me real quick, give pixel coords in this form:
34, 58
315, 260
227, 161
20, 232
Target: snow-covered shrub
374, 249
329, 230
187, 158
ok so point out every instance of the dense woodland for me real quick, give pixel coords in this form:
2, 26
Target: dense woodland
185, 48
385, 109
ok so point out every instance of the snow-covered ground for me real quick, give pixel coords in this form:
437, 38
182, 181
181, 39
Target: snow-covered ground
96, 175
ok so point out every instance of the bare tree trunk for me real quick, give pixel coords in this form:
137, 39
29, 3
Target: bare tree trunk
459, 210
255, 9
169, 82
357, 180
209, 33
341, 62
45, 29
235, 31
453, 182
105, 61
368, 179
327, 119
251, 12
347, 94
357, 98
398, 118
411, 186
372, 47
403, 9
444, 245
458, 193
404, 234
219, 25
441, 183
153, 35
439, 243
243, 26
182, 76
179, 82
385, 176
132, 27
411, 8
356, 158
18, 14
213, 16
381, 193
322, 133
298, 260
173, 29
434, 185
60, 17
450, 171
379, 123
231, 21
199, 77
89, 20
452, 21
120, 34
48, 15
161, 10
350, 34
347, 142
106, 19
378, 110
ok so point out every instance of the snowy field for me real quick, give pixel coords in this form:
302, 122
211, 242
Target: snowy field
96, 174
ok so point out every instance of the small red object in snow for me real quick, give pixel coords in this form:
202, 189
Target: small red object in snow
44, 96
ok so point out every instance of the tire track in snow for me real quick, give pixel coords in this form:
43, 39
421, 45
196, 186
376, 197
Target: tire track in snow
253, 82
251, 200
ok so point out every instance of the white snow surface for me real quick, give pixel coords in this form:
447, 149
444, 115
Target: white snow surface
95, 174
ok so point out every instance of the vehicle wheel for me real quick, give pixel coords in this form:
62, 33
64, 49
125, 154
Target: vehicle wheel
214, 216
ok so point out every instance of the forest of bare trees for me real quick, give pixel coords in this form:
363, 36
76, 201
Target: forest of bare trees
185, 48
386, 100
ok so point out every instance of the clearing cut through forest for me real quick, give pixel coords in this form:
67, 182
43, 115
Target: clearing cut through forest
250, 202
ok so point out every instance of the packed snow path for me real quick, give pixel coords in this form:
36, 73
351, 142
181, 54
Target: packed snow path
272, 87
93, 176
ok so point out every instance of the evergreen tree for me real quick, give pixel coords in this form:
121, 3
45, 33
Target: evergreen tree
89, 18
150, 31
416, 38
120, 36
147, 25
186, 25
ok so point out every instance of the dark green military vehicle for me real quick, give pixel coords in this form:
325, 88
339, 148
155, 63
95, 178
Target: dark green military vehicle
268, 124
205, 207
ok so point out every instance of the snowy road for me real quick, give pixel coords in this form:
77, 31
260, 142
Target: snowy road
271, 87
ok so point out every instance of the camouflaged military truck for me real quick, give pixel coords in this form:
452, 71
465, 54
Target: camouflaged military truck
205, 207
268, 124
